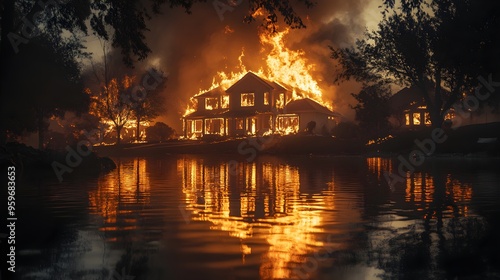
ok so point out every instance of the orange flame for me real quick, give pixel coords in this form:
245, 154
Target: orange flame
282, 65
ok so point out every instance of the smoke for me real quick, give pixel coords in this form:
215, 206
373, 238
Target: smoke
193, 47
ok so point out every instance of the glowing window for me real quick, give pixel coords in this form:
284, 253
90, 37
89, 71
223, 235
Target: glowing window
239, 123
416, 119
280, 103
214, 126
224, 102
247, 99
407, 119
266, 98
428, 119
211, 103
198, 126
288, 124
251, 123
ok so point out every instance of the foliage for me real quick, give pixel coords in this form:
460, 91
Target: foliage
64, 24
443, 43
46, 89
373, 110
159, 132
111, 103
148, 103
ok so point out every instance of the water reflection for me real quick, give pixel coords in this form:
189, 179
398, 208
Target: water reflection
267, 219
258, 201
433, 233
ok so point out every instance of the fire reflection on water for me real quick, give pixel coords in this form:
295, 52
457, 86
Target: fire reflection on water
118, 195
257, 201
421, 189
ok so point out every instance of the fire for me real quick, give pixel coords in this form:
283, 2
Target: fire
289, 67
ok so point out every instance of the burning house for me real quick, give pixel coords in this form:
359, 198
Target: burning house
255, 106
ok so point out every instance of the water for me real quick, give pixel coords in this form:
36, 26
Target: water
209, 217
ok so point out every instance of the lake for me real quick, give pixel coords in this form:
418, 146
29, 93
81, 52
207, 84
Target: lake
296, 217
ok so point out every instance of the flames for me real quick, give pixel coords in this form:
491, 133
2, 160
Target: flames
280, 64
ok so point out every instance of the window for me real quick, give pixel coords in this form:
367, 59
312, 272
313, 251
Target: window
428, 119
251, 123
214, 126
288, 124
224, 102
266, 98
239, 123
211, 103
407, 119
247, 99
280, 103
195, 126
416, 119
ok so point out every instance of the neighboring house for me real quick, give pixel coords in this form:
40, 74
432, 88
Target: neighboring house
254, 106
409, 110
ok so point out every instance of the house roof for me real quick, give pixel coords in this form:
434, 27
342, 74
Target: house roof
269, 84
406, 98
307, 105
216, 92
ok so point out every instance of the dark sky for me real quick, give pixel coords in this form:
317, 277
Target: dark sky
193, 47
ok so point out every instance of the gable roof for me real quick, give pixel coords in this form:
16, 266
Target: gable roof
266, 83
216, 92
404, 98
307, 105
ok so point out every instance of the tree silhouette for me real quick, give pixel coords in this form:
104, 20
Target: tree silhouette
112, 104
373, 110
159, 132
446, 46
38, 91
123, 23
146, 100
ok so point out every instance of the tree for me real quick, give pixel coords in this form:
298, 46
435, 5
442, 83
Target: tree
111, 103
147, 101
159, 132
47, 88
373, 110
123, 23
445, 46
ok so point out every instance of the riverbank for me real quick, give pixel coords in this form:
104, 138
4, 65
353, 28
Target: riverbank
33, 163
467, 141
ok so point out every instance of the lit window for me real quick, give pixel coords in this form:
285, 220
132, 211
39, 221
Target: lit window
214, 126
247, 99
407, 119
198, 126
225, 102
266, 98
251, 124
280, 103
416, 119
211, 103
428, 119
288, 124
239, 123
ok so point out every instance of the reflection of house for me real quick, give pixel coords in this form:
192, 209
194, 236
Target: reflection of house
254, 106
409, 109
